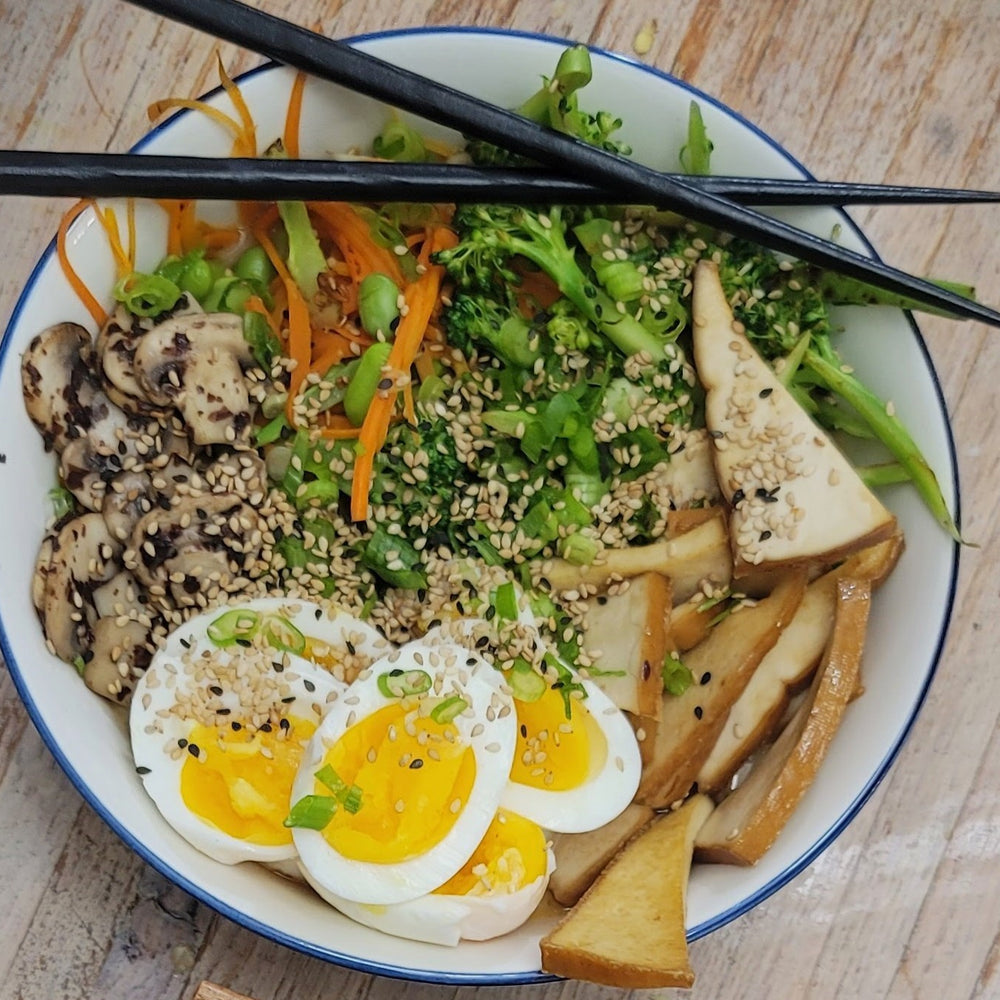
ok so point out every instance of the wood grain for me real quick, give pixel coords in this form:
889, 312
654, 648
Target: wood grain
906, 904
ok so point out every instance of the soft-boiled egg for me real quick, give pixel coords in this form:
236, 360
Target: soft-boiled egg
577, 763
402, 779
220, 719
494, 892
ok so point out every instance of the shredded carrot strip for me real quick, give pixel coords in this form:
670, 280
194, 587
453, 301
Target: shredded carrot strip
422, 298
328, 348
76, 282
172, 208
353, 238
230, 124
216, 238
130, 225
293, 117
409, 410
299, 329
339, 433
246, 139
109, 222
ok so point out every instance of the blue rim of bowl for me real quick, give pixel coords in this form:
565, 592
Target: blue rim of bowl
501, 978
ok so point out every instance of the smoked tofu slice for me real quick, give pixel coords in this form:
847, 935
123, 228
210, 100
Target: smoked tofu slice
748, 821
628, 930
629, 630
688, 559
581, 857
794, 498
722, 665
755, 717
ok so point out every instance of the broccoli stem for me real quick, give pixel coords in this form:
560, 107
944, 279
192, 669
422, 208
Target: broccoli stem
838, 289
889, 430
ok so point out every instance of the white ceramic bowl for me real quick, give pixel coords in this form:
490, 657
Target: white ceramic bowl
87, 735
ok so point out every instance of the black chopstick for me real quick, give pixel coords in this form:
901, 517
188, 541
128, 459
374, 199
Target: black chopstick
336, 61
109, 175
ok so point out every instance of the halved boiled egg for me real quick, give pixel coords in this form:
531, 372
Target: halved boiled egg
577, 763
220, 720
401, 781
494, 892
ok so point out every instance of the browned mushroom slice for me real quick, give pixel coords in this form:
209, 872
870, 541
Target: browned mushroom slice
196, 364
116, 345
79, 556
59, 383
118, 653
201, 544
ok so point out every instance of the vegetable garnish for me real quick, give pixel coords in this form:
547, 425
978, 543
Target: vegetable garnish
76, 282
421, 299
293, 116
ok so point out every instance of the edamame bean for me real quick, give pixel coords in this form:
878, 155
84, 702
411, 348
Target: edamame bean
377, 303
361, 389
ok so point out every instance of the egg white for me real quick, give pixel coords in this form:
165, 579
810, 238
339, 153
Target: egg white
448, 919
158, 719
487, 725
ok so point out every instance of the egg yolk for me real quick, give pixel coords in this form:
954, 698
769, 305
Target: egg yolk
554, 752
415, 777
242, 782
510, 856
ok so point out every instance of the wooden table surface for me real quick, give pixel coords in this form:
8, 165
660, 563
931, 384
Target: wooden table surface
906, 904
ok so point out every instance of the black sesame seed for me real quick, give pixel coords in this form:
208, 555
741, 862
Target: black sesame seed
761, 493
698, 711
266, 727
193, 749
285, 724
765, 535
351, 648
602, 599
308, 685
646, 670
416, 763
243, 642
482, 642
222, 711
715, 434
216, 690
764, 393
706, 677
524, 731
490, 613
185, 643
278, 667
288, 700
738, 497
471, 661
182, 743
318, 613
236, 727
142, 770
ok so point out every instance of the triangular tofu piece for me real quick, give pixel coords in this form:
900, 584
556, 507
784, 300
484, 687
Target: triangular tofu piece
794, 498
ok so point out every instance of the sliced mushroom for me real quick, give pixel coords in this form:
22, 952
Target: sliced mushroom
118, 654
121, 595
129, 496
201, 544
196, 364
114, 441
116, 346
82, 554
60, 383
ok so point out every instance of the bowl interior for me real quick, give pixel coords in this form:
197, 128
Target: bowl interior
87, 735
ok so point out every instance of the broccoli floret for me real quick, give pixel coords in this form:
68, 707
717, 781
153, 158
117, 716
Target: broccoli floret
492, 235
474, 322
556, 105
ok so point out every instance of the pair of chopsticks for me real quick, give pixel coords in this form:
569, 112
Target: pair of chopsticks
632, 182
111, 175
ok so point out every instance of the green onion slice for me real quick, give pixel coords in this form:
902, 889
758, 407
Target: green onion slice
312, 812
234, 626
399, 683
526, 683
449, 709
